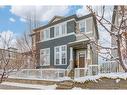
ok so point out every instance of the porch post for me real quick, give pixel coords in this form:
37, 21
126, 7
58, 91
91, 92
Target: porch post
71, 57
88, 55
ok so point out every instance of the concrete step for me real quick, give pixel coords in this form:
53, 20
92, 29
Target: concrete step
65, 85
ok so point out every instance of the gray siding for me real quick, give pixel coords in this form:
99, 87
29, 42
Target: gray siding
51, 32
57, 42
71, 26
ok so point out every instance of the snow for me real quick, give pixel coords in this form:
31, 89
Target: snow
44, 87
76, 88
32, 78
117, 80
119, 75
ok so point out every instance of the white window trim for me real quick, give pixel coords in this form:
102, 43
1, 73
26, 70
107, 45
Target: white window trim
55, 30
84, 20
44, 34
49, 57
67, 34
60, 30
58, 37
60, 55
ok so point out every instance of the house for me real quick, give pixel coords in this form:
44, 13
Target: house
116, 18
65, 42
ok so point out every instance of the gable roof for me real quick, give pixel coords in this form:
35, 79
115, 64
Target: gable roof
62, 20
55, 18
52, 22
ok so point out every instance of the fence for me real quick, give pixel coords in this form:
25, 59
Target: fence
91, 70
40, 73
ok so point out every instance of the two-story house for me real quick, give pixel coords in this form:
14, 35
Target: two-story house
65, 41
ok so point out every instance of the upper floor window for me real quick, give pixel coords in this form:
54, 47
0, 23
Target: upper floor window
82, 26
57, 31
45, 34
45, 57
63, 28
60, 30
86, 25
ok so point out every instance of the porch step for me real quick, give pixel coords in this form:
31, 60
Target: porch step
65, 85
71, 74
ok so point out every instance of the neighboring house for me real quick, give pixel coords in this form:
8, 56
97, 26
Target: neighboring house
13, 59
116, 18
62, 42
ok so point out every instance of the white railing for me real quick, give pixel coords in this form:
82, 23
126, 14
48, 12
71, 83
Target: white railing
41, 73
109, 67
69, 68
91, 70
80, 72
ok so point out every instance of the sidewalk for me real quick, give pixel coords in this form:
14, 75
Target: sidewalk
28, 86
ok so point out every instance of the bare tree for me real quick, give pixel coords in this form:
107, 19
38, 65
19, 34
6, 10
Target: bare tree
26, 43
117, 31
10, 59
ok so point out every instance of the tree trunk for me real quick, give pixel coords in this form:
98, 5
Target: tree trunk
120, 55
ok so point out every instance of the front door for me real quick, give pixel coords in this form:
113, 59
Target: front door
81, 60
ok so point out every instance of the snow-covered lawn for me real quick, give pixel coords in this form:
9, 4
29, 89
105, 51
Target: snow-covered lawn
32, 78
44, 87
108, 75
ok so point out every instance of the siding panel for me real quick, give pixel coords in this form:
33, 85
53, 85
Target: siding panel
57, 42
71, 26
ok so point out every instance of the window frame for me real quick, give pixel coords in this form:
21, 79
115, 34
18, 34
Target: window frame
45, 54
60, 55
80, 22
44, 34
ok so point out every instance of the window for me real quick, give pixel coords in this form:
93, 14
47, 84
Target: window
57, 55
45, 34
57, 31
60, 30
86, 25
82, 26
63, 27
63, 53
45, 57
89, 24
60, 55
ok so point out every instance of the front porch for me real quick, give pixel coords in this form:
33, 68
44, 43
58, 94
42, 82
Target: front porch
80, 54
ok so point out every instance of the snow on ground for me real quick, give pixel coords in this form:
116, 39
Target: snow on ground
33, 78
44, 87
76, 88
108, 75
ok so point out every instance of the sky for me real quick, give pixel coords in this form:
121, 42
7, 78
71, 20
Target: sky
12, 17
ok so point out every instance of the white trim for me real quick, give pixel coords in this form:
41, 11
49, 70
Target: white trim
84, 20
40, 57
84, 52
60, 54
42, 30
73, 33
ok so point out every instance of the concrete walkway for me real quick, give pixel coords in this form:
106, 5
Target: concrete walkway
12, 85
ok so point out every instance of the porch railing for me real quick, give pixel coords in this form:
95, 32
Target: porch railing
40, 73
91, 70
